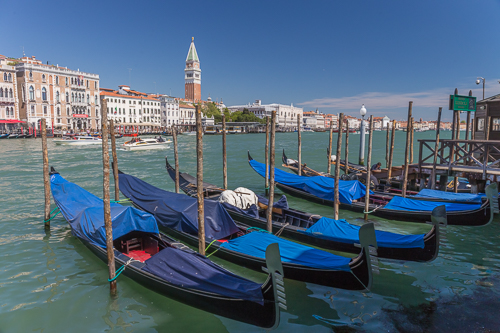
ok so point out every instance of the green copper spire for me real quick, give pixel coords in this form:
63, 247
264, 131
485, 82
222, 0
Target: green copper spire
192, 55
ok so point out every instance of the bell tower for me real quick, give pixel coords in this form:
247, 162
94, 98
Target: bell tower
192, 75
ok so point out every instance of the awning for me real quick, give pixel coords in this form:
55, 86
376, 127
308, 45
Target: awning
11, 121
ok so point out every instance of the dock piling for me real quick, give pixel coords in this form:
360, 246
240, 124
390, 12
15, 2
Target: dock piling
408, 129
271, 174
329, 153
46, 177
347, 148
432, 178
106, 200
199, 181
115, 158
391, 153
336, 202
299, 138
176, 157
224, 155
368, 170
267, 155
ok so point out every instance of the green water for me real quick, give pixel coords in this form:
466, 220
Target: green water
49, 281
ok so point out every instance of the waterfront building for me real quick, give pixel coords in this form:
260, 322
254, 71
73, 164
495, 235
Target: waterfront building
354, 123
186, 114
313, 119
9, 104
331, 118
66, 98
169, 107
286, 114
192, 75
130, 108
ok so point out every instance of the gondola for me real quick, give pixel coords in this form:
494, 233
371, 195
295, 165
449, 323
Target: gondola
166, 266
176, 214
312, 229
378, 179
320, 189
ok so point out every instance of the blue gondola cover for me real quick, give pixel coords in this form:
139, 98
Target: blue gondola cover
320, 186
342, 231
198, 272
400, 203
85, 213
450, 196
178, 211
255, 244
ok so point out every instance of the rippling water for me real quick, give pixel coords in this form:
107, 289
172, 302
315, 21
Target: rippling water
49, 281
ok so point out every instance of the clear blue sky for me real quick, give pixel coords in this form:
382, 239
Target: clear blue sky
331, 55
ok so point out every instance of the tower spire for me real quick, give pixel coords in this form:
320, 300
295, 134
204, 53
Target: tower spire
192, 75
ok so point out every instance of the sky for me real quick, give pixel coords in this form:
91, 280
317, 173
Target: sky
332, 56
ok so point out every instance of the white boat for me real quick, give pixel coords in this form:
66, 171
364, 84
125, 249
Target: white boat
189, 133
78, 140
143, 144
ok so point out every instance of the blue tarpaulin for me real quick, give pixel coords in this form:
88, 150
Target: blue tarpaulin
400, 203
85, 213
195, 271
178, 211
253, 210
450, 196
281, 203
342, 231
319, 186
255, 244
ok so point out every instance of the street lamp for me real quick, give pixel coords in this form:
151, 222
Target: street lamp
478, 81
362, 111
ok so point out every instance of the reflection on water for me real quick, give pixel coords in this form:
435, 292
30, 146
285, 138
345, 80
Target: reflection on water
50, 282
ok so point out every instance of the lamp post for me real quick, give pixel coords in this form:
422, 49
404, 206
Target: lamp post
478, 81
362, 111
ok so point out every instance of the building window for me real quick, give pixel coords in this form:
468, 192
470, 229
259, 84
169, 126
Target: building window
66, 81
57, 96
1, 92
96, 100
44, 94
58, 112
480, 124
67, 111
5, 76
31, 75
67, 97
43, 78
95, 84
495, 126
45, 110
79, 98
88, 98
72, 97
32, 93
57, 80
24, 94
33, 110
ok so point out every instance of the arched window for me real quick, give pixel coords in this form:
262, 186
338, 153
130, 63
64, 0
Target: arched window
32, 93
67, 111
57, 80
44, 94
79, 98
96, 100
43, 77
5, 76
32, 109
10, 77
31, 75
45, 110
57, 96
10, 93
67, 97
88, 98
71, 80
1, 92
72, 97
24, 94
58, 111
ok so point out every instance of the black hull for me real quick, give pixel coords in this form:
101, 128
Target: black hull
237, 309
480, 216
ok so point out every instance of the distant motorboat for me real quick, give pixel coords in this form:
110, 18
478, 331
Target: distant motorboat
143, 144
189, 133
78, 140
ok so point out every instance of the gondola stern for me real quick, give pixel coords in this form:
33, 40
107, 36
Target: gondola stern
284, 158
53, 171
492, 195
250, 158
368, 241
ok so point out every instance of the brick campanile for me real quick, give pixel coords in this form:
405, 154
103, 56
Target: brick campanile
192, 75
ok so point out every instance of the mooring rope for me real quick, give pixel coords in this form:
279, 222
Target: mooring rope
372, 210
121, 269
281, 230
50, 218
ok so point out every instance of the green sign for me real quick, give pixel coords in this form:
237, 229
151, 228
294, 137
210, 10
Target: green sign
462, 103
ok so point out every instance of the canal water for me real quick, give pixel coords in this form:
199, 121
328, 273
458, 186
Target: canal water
50, 282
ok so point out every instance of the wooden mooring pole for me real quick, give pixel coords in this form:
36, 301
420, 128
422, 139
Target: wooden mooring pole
199, 181
271, 175
408, 128
176, 158
432, 178
387, 147
412, 131
224, 155
329, 153
347, 148
336, 202
299, 144
368, 170
391, 153
115, 158
46, 177
106, 200
267, 155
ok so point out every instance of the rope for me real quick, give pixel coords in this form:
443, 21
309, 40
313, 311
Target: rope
210, 244
373, 210
213, 252
47, 221
121, 269
119, 201
281, 230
